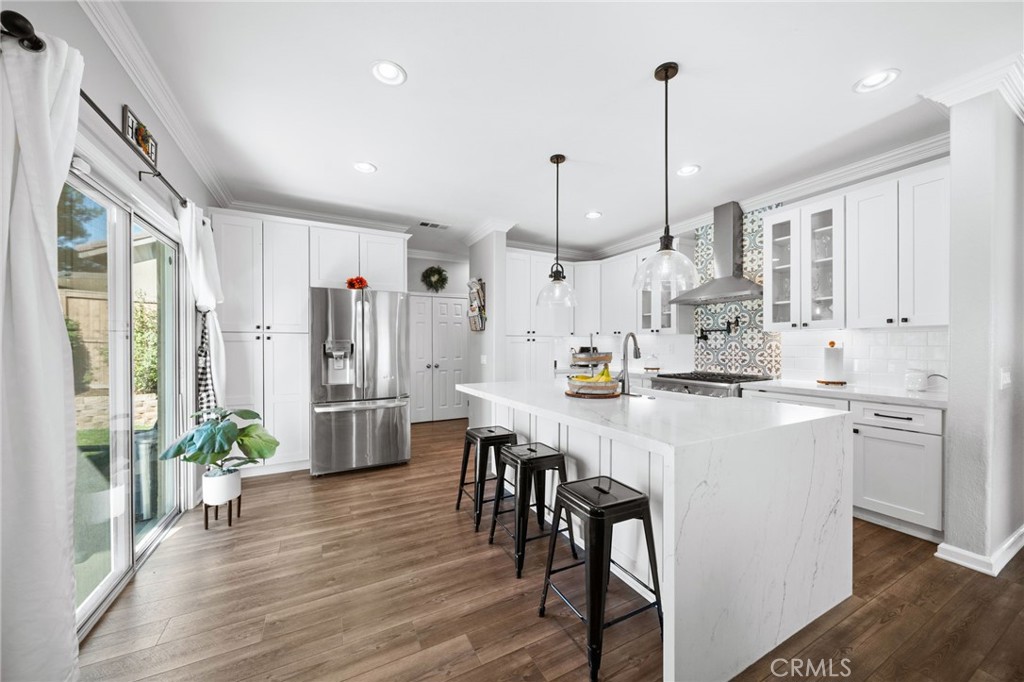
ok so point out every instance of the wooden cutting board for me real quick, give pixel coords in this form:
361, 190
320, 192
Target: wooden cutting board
594, 396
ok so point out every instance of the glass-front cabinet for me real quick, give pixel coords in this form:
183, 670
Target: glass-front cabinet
804, 267
656, 314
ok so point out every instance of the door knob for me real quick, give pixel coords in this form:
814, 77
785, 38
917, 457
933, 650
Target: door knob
428, 365
436, 365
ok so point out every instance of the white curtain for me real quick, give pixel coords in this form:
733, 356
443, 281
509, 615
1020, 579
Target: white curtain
37, 419
200, 254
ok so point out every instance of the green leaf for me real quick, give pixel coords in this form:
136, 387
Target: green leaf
179, 448
248, 415
212, 441
256, 442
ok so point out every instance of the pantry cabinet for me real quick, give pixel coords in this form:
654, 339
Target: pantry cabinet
898, 251
804, 265
336, 254
263, 266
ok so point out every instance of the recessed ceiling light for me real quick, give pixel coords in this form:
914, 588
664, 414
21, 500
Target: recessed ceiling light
688, 170
876, 81
364, 167
388, 72
593, 215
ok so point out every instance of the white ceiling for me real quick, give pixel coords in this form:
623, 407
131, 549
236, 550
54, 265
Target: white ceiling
281, 97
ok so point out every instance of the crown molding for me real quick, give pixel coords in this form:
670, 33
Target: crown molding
489, 226
437, 255
318, 216
568, 253
1005, 76
120, 35
903, 157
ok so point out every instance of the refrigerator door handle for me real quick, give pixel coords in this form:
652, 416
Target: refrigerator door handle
359, 407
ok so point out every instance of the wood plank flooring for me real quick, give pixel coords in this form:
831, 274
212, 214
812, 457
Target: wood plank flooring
374, 576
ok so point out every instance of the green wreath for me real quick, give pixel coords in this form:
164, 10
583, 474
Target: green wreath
434, 278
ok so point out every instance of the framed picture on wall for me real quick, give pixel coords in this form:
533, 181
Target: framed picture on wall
138, 133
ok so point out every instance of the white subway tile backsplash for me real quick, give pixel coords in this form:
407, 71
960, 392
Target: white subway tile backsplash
915, 339
938, 338
897, 353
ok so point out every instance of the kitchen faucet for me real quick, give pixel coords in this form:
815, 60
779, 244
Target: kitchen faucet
624, 376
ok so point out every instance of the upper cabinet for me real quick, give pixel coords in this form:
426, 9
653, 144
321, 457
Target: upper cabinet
335, 254
804, 266
586, 282
526, 273
898, 243
655, 315
618, 297
263, 269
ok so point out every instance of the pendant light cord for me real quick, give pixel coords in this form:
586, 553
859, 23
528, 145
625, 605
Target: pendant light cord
557, 189
666, 157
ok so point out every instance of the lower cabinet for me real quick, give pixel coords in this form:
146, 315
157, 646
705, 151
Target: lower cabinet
899, 474
529, 359
270, 374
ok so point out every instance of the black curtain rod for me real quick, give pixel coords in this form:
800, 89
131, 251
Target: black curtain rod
17, 26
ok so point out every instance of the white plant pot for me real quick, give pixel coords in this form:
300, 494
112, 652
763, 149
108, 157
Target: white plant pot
220, 489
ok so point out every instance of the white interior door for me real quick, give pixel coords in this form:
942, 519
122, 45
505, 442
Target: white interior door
449, 341
421, 359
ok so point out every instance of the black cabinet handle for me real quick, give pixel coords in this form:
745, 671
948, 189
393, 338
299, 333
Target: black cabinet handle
794, 324
268, 337
856, 430
257, 338
904, 319
268, 327
892, 416
888, 320
257, 326
804, 324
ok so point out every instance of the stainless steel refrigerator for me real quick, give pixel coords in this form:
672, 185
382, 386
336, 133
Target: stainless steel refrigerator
360, 379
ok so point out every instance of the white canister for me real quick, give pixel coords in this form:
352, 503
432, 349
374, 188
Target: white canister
915, 380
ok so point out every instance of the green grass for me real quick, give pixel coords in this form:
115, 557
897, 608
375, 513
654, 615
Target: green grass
93, 437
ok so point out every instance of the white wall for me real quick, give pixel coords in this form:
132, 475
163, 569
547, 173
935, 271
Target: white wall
458, 275
110, 87
487, 262
985, 446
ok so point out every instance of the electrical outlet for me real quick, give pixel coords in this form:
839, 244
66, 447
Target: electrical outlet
483, 359
1004, 377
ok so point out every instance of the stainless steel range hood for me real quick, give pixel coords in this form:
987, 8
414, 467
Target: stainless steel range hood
729, 283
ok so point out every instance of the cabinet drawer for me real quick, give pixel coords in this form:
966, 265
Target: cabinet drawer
898, 474
920, 419
793, 399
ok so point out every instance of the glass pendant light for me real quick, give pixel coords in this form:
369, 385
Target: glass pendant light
557, 293
667, 266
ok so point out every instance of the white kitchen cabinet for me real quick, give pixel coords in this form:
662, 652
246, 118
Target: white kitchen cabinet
239, 244
924, 247
333, 256
898, 474
655, 315
285, 277
530, 359
586, 283
898, 251
618, 297
264, 274
804, 265
243, 371
526, 273
872, 249
286, 394
383, 262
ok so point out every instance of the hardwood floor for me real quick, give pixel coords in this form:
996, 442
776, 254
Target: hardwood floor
374, 576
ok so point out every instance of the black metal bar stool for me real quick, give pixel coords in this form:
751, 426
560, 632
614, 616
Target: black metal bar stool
600, 503
484, 438
531, 461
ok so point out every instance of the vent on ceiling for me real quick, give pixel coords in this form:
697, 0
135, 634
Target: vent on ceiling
431, 226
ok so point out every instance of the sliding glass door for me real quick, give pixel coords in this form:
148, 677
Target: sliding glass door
118, 284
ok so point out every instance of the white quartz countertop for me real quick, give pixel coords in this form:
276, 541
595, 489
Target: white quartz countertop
882, 394
656, 420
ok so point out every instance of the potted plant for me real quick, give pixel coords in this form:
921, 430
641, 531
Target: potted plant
211, 444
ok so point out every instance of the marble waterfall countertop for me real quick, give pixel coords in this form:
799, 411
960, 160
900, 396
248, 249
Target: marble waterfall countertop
937, 398
657, 421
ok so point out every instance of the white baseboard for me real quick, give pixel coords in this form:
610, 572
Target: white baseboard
896, 524
268, 469
989, 565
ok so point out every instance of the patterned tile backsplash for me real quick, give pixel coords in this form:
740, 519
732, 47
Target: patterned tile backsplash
750, 349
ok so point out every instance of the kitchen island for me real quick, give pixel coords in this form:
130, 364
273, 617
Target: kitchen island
752, 507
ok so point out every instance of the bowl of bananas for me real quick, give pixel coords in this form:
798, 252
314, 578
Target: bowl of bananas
601, 384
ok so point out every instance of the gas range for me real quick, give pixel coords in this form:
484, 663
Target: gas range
712, 384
